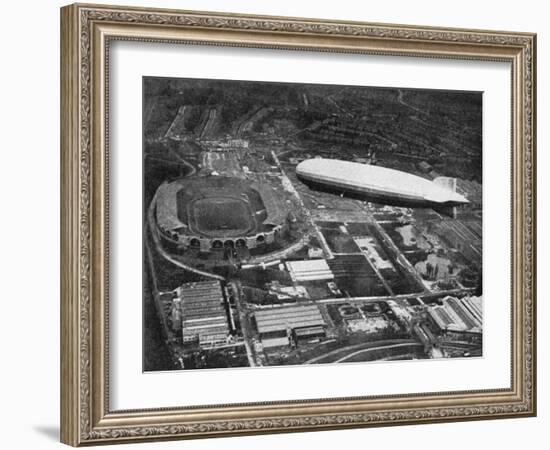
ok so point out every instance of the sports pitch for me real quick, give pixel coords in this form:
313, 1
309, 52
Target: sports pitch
222, 216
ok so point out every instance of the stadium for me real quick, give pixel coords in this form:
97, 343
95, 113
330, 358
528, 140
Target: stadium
378, 183
214, 212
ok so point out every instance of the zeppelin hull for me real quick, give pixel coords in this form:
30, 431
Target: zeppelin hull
364, 193
377, 184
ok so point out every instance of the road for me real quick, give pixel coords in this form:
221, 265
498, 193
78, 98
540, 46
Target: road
180, 117
460, 345
362, 347
290, 186
383, 347
336, 300
167, 332
209, 125
245, 324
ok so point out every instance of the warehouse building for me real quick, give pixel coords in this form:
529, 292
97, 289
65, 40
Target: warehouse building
308, 270
458, 315
278, 325
203, 316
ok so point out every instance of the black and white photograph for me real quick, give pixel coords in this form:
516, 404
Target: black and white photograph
265, 225
294, 224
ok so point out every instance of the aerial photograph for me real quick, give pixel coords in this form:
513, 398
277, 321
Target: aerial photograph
295, 224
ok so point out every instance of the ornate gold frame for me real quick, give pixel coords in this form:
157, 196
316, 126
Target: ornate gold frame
86, 31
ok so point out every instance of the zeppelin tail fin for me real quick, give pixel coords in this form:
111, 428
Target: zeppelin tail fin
446, 182
448, 208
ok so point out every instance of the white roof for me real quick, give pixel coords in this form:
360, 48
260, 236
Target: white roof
313, 269
167, 206
275, 342
376, 177
310, 265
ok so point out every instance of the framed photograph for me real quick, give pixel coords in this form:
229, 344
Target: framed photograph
274, 224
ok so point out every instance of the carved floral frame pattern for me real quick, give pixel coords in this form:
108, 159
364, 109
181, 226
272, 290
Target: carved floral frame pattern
80, 425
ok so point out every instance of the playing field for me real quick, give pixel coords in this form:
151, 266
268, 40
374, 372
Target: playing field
222, 216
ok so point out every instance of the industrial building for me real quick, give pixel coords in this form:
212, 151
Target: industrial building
308, 270
458, 315
378, 183
278, 325
475, 306
200, 308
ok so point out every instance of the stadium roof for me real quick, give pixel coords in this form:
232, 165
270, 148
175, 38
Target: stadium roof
275, 209
189, 203
167, 206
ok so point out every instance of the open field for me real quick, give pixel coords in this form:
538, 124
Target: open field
222, 216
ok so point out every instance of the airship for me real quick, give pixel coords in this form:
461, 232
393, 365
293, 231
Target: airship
380, 184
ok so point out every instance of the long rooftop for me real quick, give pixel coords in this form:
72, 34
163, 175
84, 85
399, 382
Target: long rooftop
279, 319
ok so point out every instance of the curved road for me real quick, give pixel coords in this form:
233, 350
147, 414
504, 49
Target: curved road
362, 347
367, 350
165, 254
